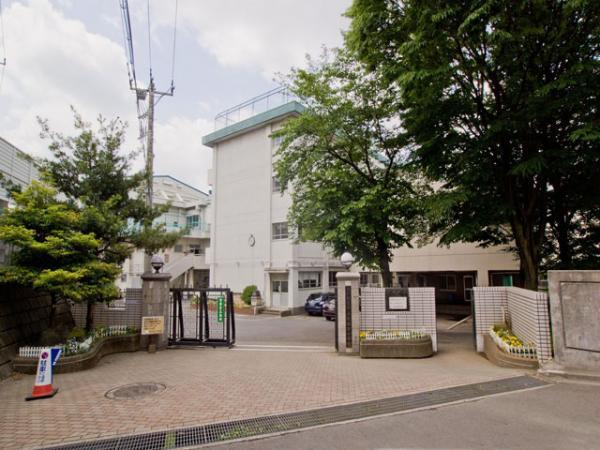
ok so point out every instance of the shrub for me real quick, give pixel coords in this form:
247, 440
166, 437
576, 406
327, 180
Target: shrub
247, 294
77, 333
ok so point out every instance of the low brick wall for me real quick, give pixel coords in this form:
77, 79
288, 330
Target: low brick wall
75, 363
24, 315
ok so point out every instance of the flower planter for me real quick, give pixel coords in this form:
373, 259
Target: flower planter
397, 348
503, 359
105, 346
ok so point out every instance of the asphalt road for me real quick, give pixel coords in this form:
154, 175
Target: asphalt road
287, 331
559, 416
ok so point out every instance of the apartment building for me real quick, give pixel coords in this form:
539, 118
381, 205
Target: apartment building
185, 261
17, 167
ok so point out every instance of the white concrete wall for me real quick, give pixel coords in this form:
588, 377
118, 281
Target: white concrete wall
244, 204
457, 257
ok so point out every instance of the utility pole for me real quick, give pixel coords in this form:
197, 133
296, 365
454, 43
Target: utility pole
150, 145
141, 96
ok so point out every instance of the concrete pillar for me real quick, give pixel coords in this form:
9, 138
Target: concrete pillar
347, 312
155, 302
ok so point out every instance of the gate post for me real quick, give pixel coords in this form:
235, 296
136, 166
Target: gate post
155, 302
348, 313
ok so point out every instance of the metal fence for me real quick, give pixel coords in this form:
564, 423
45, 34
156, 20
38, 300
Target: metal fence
126, 312
201, 317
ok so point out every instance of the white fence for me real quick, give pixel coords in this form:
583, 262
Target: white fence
526, 311
75, 347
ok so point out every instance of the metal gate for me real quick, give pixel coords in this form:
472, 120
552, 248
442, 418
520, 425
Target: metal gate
201, 317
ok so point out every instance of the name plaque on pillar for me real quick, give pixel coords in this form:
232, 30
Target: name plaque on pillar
153, 325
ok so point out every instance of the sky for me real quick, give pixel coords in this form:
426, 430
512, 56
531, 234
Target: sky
63, 53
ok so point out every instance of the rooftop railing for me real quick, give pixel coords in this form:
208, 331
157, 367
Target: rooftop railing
256, 105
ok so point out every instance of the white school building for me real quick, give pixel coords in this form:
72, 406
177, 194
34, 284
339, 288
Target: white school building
251, 243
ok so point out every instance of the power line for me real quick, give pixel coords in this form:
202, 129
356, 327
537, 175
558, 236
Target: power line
145, 117
174, 45
149, 41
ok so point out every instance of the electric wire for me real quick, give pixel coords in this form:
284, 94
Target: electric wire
3, 60
174, 45
149, 42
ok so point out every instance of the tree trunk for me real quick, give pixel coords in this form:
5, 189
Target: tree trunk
89, 316
528, 252
384, 264
52, 315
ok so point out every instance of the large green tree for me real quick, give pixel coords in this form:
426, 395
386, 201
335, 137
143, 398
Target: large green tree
344, 158
51, 253
501, 99
93, 172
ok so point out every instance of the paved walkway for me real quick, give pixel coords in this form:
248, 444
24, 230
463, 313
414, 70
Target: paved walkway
210, 385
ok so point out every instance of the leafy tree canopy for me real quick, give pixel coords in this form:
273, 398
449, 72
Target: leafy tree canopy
51, 252
501, 100
345, 160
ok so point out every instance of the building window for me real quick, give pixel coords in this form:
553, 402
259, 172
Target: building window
332, 279
280, 286
403, 281
447, 282
364, 279
123, 277
178, 248
192, 221
196, 250
309, 280
280, 230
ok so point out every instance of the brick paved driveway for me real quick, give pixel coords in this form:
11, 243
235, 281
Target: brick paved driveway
209, 385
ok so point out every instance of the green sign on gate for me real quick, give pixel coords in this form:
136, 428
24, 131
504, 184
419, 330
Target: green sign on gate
220, 309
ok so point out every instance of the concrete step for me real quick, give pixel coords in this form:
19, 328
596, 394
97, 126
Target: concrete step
276, 312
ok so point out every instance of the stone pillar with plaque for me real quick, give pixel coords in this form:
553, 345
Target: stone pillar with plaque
348, 313
155, 310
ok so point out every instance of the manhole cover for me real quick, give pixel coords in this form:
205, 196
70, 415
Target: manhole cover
135, 390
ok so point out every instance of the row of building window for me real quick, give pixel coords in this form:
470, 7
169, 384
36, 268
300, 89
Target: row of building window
306, 280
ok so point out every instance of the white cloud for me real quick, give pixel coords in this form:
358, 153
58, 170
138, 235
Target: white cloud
62, 63
178, 150
54, 62
268, 35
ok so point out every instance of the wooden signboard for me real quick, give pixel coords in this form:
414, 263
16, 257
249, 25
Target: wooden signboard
153, 325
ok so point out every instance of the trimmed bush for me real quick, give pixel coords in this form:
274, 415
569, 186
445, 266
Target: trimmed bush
247, 294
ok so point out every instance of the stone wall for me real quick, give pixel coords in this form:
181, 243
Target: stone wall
575, 311
24, 315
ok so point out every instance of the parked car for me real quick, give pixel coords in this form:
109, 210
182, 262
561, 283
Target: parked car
314, 303
329, 310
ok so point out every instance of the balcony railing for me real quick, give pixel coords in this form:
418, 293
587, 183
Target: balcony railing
261, 103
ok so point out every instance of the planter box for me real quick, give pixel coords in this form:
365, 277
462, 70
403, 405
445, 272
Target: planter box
503, 359
83, 361
397, 348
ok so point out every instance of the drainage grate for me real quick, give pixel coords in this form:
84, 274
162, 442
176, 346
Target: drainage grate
225, 431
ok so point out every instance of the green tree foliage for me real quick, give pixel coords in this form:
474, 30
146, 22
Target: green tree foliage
501, 99
51, 252
345, 159
90, 170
